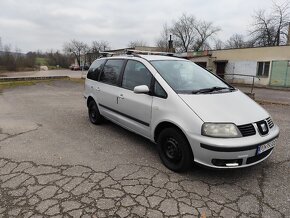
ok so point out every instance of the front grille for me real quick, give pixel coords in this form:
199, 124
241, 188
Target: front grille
247, 130
270, 122
258, 157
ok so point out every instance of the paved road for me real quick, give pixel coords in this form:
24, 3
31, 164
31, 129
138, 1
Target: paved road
53, 162
272, 95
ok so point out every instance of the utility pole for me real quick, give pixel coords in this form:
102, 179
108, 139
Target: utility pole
288, 36
170, 44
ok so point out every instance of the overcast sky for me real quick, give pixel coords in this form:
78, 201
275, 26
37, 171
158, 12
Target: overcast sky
46, 24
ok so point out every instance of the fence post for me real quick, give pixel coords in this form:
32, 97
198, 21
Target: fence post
253, 81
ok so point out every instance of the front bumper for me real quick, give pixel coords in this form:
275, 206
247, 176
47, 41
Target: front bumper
231, 152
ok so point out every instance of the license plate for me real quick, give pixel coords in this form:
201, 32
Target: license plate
265, 147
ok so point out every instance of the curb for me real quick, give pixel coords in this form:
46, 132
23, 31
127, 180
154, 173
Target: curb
260, 101
3, 79
277, 88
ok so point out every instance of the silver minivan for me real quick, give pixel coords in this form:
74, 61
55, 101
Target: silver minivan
191, 114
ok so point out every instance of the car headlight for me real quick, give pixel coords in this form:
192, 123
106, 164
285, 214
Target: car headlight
220, 130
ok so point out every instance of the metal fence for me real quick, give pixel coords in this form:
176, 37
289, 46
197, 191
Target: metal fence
252, 85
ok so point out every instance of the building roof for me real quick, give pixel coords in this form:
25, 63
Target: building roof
260, 47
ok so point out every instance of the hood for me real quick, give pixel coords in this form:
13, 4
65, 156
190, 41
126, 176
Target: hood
231, 107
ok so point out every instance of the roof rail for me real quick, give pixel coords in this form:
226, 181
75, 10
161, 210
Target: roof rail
134, 53
137, 53
106, 54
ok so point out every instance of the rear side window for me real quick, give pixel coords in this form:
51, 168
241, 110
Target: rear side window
111, 72
136, 74
95, 69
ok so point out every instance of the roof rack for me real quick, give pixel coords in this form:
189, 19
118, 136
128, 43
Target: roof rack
106, 54
134, 53
137, 53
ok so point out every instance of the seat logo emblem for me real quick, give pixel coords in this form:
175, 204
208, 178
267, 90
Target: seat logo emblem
264, 127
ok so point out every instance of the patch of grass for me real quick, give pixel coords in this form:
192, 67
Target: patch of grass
12, 84
41, 61
82, 81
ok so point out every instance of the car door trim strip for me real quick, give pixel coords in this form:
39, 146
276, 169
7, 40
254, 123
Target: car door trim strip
125, 115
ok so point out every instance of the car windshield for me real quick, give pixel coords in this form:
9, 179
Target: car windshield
186, 77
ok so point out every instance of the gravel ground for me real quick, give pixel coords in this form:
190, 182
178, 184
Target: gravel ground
53, 162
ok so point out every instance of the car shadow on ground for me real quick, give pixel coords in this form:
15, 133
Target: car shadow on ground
196, 171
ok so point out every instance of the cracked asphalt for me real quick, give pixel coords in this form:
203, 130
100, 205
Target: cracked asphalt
54, 163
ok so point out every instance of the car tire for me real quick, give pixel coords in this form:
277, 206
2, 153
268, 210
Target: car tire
174, 150
94, 113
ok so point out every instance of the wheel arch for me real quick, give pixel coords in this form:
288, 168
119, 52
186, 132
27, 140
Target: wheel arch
90, 99
163, 125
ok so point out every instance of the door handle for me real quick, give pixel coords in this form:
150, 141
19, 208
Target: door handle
121, 96
98, 89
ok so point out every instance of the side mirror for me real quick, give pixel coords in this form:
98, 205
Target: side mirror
143, 89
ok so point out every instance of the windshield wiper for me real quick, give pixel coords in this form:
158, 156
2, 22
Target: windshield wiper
212, 89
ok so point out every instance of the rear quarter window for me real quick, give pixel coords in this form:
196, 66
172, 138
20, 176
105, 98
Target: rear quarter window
95, 69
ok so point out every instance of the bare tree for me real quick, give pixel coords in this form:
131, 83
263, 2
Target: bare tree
218, 44
137, 43
163, 41
99, 46
192, 34
271, 29
15, 60
204, 31
95, 49
236, 41
77, 48
1, 47
55, 58
184, 32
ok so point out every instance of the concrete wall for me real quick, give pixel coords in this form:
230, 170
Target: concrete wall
244, 67
244, 61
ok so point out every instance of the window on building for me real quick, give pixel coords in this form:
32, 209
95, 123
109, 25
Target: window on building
111, 72
263, 69
136, 74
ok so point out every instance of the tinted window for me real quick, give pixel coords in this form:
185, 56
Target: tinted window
136, 74
111, 72
95, 69
159, 91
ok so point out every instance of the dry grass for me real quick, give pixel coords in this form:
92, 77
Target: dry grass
13, 84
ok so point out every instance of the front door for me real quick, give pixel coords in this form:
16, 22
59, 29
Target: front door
280, 73
135, 108
220, 69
